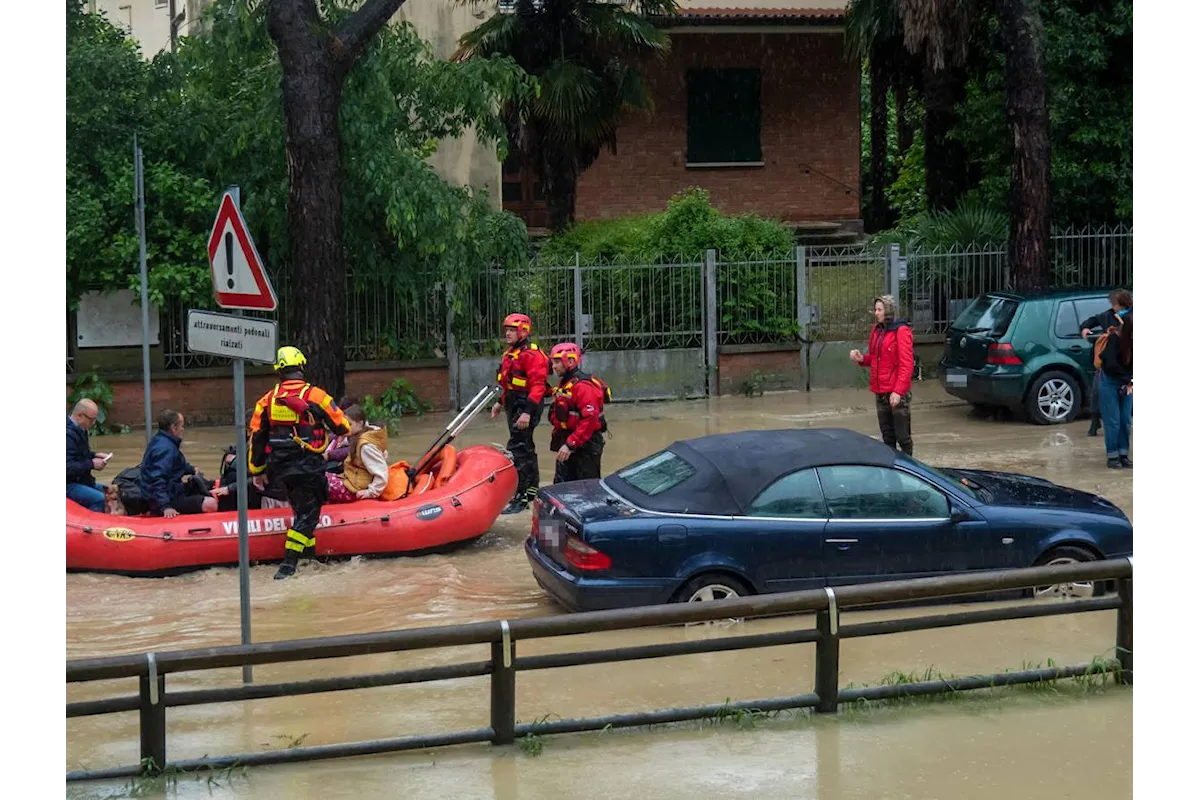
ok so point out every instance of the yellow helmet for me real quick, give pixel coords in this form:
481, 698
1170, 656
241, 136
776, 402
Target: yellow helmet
289, 357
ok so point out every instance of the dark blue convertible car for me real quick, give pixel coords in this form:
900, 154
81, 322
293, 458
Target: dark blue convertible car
773, 511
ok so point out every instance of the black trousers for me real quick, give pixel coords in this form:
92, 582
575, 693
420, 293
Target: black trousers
307, 489
895, 424
584, 463
524, 452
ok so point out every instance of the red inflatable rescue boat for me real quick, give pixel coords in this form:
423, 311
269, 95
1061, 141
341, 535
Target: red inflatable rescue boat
446, 506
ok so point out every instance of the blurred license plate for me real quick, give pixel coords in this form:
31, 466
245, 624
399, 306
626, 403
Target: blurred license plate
956, 377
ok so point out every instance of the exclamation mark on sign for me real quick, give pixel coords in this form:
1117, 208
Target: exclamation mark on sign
229, 256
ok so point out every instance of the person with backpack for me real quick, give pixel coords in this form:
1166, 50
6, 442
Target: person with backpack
889, 356
523, 374
290, 429
577, 416
1120, 299
1113, 359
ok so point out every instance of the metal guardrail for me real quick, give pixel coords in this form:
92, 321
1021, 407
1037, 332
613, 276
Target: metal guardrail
151, 669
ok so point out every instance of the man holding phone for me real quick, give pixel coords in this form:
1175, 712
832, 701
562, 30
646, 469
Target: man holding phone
81, 486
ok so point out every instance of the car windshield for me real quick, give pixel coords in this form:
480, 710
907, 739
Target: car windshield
961, 481
988, 314
658, 473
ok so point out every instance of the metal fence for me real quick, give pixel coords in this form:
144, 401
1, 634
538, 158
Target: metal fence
152, 669
820, 293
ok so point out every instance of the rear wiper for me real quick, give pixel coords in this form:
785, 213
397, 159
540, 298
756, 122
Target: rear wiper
978, 330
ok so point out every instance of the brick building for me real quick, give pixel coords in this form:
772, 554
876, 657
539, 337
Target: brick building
756, 102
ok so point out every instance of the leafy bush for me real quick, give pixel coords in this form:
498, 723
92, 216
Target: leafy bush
91, 386
398, 400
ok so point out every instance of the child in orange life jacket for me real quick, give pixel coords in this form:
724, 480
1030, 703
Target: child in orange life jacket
577, 415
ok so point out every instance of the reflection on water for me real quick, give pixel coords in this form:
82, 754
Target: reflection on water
1024, 748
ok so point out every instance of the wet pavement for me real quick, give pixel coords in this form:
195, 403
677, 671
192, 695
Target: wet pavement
1015, 747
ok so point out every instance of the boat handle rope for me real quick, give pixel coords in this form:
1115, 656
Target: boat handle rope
506, 643
452, 499
153, 667
833, 611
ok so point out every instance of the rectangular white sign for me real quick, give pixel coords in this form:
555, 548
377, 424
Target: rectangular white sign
231, 336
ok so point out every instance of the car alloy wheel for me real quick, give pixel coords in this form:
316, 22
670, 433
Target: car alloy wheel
1055, 399
1064, 591
713, 591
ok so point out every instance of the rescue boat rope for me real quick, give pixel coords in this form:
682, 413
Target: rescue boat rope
171, 537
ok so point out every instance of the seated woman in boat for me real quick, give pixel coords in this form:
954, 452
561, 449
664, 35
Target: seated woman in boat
335, 455
365, 470
272, 496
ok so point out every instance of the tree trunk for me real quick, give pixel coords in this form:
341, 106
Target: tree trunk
945, 158
315, 63
560, 177
904, 129
879, 141
1029, 118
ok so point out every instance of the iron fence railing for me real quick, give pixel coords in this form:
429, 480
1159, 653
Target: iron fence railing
814, 293
505, 662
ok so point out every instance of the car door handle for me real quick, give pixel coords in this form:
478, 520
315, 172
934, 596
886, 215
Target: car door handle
841, 541
1076, 349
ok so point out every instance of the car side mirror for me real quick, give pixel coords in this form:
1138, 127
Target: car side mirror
958, 515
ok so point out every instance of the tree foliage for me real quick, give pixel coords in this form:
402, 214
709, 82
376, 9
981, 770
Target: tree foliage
584, 55
212, 115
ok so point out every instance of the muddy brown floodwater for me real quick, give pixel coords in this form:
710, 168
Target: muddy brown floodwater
1025, 744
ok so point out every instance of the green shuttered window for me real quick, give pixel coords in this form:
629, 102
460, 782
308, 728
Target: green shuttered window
724, 116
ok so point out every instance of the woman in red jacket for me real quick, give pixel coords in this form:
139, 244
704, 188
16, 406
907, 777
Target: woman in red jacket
889, 356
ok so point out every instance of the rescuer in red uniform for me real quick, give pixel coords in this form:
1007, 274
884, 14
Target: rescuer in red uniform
522, 376
577, 415
289, 431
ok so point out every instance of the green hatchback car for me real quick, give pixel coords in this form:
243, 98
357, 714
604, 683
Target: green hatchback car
1024, 353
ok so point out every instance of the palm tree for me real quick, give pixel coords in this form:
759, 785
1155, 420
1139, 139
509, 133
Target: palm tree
585, 56
940, 30
875, 32
1029, 117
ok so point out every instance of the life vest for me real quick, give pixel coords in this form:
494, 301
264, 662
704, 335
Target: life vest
511, 376
564, 412
291, 422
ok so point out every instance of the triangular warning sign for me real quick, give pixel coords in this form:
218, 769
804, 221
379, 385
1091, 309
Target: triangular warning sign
239, 279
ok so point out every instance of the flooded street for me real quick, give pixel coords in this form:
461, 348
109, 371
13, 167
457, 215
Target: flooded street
1032, 744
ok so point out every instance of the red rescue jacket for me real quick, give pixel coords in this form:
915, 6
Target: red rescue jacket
889, 356
522, 376
578, 407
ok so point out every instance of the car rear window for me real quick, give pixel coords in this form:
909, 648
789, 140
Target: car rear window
658, 473
988, 314
1065, 323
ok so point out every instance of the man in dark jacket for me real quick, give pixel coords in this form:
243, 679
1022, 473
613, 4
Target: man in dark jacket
889, 356
167, 479
1120, 300
81, 486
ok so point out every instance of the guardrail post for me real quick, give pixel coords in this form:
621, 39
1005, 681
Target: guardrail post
504, 689
711, 323
153, 717
1125, 631
828, 646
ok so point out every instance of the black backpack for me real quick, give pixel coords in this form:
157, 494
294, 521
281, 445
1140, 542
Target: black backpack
128, 483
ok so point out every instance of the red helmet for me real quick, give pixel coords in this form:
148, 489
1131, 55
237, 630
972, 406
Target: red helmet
569, 352
519, 321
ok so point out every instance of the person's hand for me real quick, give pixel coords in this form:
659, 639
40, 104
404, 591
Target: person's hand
1085, 332
523, 421
364, 494
564, 453
856, 356
98, 462
260, 482
1129, 389
169, 512
495, 410
895, 399
219, 492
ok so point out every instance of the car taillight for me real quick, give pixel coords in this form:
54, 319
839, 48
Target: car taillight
582, 555
1002, 354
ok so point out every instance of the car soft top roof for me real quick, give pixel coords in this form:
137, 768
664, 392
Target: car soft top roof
733, 468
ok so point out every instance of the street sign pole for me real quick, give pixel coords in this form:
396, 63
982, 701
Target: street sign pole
240, 282
239, 422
